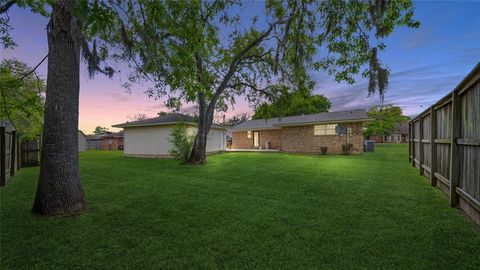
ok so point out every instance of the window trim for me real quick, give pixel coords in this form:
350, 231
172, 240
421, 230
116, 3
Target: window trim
326, 130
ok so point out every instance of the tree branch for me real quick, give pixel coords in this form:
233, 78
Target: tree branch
5, 7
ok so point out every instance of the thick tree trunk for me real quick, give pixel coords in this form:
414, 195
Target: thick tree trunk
59, 190
199, 150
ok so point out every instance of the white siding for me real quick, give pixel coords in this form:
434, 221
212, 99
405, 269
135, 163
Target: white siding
82, 142
154, 140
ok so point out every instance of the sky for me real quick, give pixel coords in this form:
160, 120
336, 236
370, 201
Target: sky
425, 64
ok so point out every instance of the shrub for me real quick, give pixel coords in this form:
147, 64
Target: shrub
182, 142
347, 148
323, 150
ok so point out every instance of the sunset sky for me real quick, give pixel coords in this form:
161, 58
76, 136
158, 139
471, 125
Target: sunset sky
425, 63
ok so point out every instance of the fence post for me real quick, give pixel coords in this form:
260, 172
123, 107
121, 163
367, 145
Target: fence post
409, 143
13, 152
19, 158
420, 143
433, 146
454, 149
412, 141
2, 156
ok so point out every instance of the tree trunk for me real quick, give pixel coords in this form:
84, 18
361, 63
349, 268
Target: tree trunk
59, 190
199, 150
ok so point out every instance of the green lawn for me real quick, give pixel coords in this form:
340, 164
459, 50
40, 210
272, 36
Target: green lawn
243, 210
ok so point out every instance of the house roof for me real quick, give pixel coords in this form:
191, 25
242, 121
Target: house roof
113, 135
318, 118
402, 128
171, 118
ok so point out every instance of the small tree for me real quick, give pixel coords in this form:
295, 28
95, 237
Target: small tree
182, 141
386, 118
100, 130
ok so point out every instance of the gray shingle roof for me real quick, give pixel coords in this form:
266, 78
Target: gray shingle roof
170, 118
326, 117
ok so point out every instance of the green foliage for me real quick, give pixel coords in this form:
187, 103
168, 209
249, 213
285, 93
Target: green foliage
323, 150
22, 98
100, 130
236, 119
347, 149
200, 51
36, 6
292, 103
386, 118
182, 142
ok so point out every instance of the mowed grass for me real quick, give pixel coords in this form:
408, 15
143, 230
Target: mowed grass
243, 210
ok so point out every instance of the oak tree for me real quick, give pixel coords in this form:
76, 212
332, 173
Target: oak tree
210, 52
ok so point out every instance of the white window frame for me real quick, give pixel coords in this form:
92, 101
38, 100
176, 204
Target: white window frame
249, 134
324, 129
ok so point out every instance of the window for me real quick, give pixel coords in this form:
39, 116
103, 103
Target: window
249, 134
324, 129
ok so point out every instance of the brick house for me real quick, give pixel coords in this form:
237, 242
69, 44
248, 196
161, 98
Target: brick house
112, 141
398, 135
304, 133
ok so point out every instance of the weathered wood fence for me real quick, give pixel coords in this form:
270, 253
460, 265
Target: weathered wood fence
445, 144
8, 152
30, 153
15, 154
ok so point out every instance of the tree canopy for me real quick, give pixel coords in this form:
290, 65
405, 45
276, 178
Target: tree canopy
293, 103
236, 119
386, 118
22, 98
99, 130
206, 52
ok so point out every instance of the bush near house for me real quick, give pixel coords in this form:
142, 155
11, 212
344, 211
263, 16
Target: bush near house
182, 140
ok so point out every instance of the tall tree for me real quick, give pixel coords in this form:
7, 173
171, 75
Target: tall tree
22, 98
385, 119
207, 52
290, 103
59, 189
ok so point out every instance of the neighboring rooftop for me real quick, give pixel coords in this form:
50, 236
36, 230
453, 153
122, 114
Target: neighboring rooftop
325, 117
171, 118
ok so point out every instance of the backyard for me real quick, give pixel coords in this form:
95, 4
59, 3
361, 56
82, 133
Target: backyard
243, 210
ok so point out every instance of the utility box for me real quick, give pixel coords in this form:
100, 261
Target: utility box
369, 146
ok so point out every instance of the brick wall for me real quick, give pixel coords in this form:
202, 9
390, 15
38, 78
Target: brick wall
302, 139
116, 143
240, 141
274, 136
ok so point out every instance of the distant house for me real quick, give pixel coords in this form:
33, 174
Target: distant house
303, 133
398, 135
151, 137
82, 141
112, 141
94, 142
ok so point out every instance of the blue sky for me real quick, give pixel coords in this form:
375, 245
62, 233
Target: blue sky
425, 63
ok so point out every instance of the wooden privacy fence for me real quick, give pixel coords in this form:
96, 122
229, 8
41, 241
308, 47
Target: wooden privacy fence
8, 152
30, 153
445, 144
